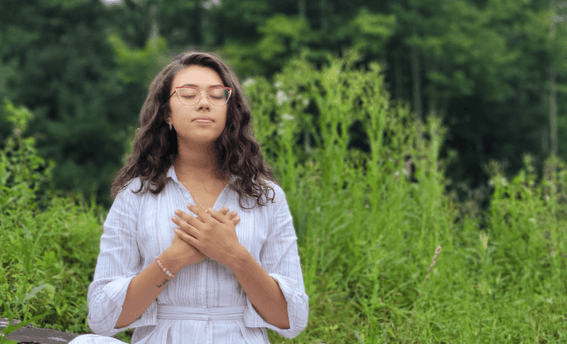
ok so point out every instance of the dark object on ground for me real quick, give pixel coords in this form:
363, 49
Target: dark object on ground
31, 335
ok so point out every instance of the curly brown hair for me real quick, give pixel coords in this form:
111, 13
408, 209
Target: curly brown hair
236, 151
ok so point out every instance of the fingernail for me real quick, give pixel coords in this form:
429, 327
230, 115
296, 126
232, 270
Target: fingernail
177, 212
174, 219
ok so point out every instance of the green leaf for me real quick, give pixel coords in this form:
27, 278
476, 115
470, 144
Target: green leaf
11, 328
34, 292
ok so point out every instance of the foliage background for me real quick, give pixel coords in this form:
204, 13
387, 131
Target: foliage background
484, 66
409, 124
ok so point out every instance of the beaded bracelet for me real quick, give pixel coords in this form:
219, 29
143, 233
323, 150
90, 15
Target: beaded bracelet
163, 268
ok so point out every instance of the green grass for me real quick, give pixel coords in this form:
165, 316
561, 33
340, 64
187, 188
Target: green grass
367, 228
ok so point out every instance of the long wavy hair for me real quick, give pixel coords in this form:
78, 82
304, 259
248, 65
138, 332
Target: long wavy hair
236, 151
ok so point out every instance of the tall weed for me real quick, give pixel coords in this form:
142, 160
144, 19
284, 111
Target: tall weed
369, 216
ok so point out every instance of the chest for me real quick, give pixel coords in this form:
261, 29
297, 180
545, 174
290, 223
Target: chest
156, 230
205, 195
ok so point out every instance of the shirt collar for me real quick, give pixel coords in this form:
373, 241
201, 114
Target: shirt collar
171, 174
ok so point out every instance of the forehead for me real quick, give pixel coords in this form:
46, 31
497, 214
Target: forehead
197, 75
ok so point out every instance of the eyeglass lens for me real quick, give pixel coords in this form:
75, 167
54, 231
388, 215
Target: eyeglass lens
190, 96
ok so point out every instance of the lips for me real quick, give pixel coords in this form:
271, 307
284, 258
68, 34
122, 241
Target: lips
203, 119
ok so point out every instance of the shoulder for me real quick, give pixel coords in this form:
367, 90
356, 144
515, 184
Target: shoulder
131, 186
133, 190
276, 193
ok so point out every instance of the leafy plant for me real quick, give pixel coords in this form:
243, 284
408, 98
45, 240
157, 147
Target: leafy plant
49, 240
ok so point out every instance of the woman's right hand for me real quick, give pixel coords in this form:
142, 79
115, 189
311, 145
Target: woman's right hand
181, 254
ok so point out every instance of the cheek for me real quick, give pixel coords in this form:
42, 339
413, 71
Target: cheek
174, 111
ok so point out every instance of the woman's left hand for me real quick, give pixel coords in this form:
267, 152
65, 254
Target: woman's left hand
212, 232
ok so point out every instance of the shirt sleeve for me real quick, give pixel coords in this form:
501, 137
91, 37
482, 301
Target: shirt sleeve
280, 258
118, 262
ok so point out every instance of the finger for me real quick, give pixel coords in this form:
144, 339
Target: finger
218, 215
224, 210
189, 226
196, 223
184, 216
231, 215
186, 237
235, 221
203, 216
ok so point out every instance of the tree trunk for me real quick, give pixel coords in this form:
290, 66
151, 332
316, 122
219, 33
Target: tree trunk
398, 75
432, 96
415, 68
323, 9
154, 30
552, 84
416, 82
302, 10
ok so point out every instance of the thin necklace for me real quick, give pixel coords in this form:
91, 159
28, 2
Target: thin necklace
190, 194
197, 202
194, 199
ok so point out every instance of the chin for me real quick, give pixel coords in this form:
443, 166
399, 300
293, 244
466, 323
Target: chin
199, 140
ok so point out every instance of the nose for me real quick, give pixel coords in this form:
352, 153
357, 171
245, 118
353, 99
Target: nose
203, 102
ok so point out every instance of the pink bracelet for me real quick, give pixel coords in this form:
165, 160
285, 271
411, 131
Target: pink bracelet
163, 268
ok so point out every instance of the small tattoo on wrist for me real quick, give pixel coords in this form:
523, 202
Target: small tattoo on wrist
165, 281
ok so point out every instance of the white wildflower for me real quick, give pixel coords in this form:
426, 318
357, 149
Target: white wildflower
287, 117
281, 97
248, 82
211, 3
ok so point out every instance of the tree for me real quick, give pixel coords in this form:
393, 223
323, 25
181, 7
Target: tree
65, 73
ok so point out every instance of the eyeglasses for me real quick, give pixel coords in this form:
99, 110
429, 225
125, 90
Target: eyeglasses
217, 96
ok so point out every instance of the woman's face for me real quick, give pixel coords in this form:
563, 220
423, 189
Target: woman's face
202, 122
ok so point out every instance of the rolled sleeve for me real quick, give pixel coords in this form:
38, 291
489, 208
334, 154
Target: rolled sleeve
118, 262
280, 258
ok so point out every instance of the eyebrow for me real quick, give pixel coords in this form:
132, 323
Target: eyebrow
193, 85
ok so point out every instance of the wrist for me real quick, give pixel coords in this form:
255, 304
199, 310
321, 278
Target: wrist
239, 258
170, 262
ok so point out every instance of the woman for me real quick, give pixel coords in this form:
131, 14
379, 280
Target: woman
199, 245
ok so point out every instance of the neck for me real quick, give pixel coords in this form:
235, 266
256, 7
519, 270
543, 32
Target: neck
196, 163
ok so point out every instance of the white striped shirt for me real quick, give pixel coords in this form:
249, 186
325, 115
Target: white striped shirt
139, 227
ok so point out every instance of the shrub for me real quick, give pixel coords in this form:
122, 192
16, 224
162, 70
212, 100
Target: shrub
49, 240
